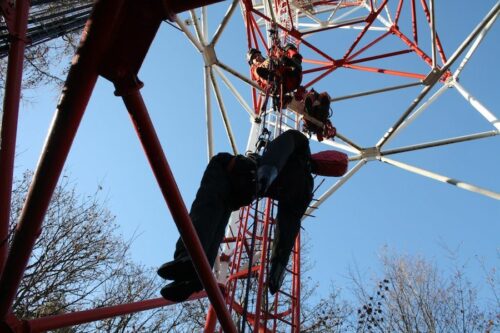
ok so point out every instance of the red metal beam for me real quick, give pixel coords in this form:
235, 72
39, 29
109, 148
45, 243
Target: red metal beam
309, 84
412, 45
398, 12
296, 287
414, 22
87, 316
75, 96
333, 27
263, 264
438, 41
379, 56
369, 21
386, 71
210, 321
159, 164
9, 119
366, 47
175, 6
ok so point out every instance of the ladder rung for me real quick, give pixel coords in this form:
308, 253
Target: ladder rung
286, 294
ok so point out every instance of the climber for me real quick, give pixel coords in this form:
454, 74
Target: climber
230, 182
315, 109
284, 66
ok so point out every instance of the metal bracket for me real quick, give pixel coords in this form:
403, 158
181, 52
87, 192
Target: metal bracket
7, 11
370, 154
450, 81
432, 77
209, 55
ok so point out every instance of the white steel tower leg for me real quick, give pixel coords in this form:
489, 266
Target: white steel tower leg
441, 178
477, 105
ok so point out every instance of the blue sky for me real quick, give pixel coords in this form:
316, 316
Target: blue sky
380, 206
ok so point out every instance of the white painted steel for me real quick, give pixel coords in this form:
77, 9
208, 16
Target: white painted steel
433, 34
376, 91
470, 38
337, 145
238, 75
411, 118
487, 114
441, 178
389, 18
437, 143
477, 30
204, 21
379, 18
235, 92
188, 34
197, 28
334, 187
208, 114
349, 12
335, 10
357, 27
474, 46
222, 109
225, 20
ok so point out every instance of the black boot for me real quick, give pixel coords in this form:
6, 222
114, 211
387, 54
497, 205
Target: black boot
179, 291
177, 269
276, 276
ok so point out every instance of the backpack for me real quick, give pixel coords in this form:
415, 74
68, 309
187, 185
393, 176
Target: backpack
317, 106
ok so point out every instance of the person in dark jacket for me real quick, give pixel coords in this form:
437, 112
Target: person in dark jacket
285, 65
230, 182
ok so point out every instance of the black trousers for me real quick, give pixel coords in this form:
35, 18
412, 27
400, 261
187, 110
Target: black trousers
225, 188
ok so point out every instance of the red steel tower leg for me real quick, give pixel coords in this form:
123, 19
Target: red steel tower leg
296, 286
146, 132
9, 120
81, 317
75, 96
211, 320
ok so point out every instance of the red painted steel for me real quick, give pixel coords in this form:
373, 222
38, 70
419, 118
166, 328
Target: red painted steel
323, 75
77, 91
87, 316
76, 94
210, 321
414, 22
369, 22
386, 71
380, 56
9, 120
333, 27
258, 313
438, 41
398, 12
152, 147
175, 6
366, 47
296, 285
263, 265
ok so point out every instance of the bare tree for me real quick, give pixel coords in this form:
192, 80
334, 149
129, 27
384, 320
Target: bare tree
79, 262
414, 296
329, 314
54, 28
